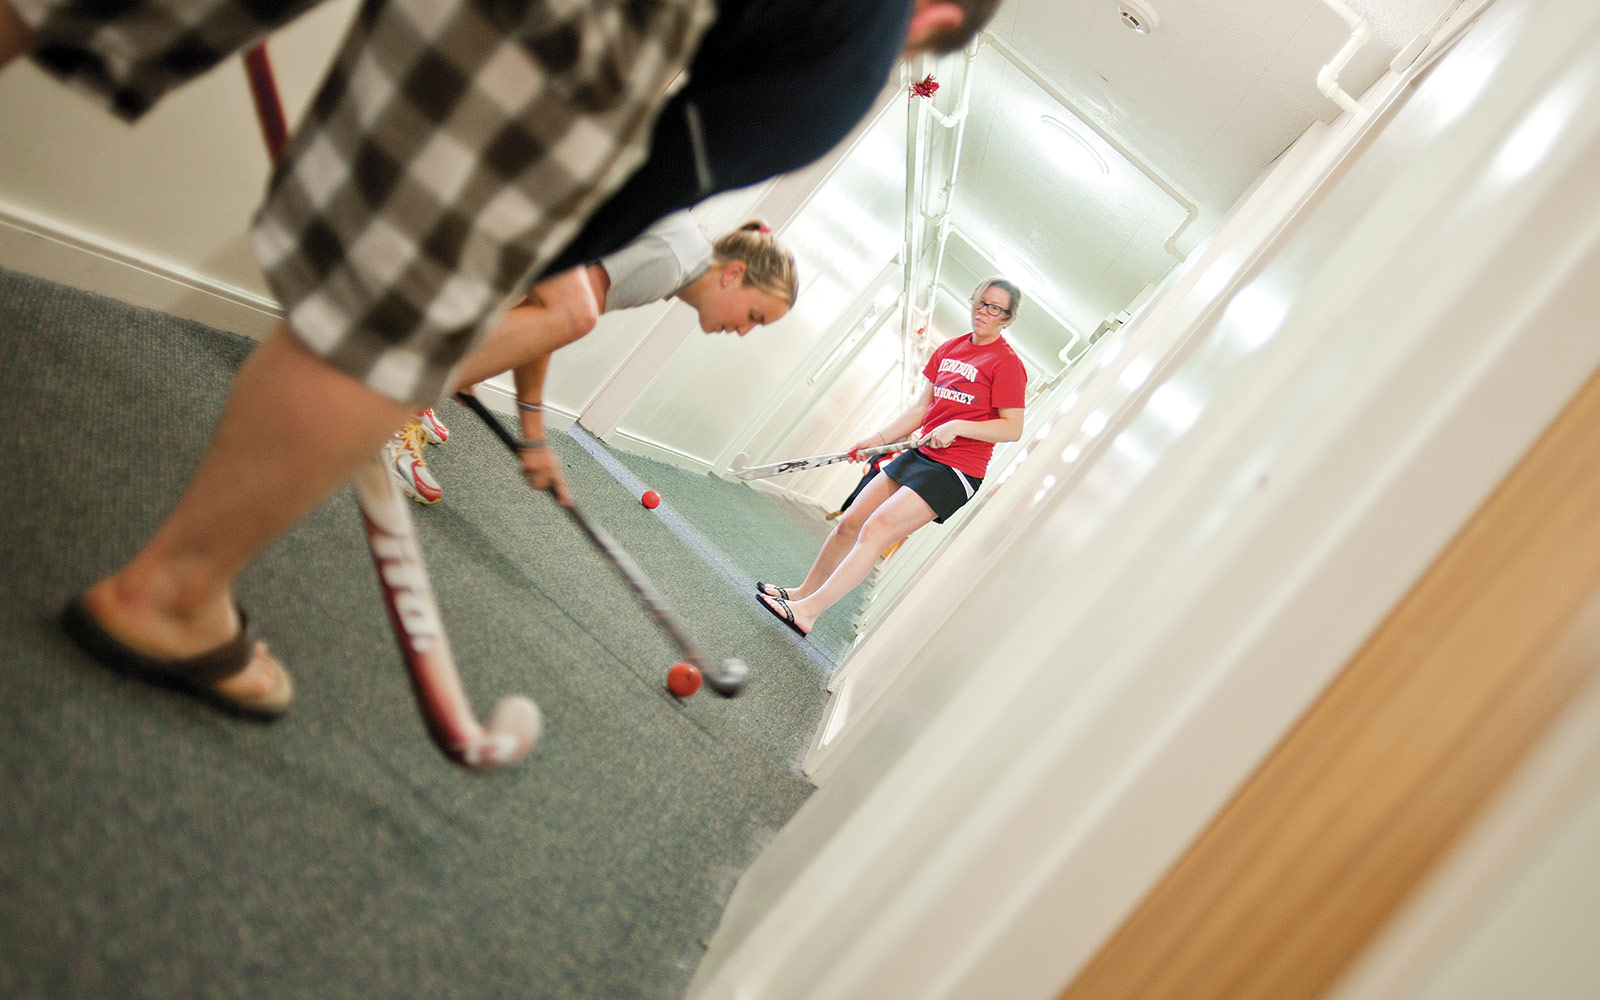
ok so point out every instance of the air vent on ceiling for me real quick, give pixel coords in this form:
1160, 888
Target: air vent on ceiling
1138, 15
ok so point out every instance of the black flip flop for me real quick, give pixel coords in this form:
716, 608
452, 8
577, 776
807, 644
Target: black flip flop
193, 676
781, 594
785, 615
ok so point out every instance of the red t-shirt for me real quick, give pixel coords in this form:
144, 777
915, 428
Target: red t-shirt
971, 383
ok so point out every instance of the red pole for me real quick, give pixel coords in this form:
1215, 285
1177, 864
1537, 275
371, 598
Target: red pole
269, 110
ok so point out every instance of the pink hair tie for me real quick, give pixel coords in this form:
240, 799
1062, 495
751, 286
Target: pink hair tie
763, 228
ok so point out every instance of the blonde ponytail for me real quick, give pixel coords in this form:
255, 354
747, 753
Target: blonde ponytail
768, 264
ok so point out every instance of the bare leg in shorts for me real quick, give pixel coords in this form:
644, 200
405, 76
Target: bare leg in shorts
884, 513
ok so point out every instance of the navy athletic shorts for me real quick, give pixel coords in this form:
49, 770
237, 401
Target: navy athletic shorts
945, 489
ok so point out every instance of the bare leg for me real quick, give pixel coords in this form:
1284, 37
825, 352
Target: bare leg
844, 534
174, 599
895, 518
15, 37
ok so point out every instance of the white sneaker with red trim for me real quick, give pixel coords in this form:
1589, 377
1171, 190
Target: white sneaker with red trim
403, 453
433, 427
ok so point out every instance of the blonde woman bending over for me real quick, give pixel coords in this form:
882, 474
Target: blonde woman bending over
743, 280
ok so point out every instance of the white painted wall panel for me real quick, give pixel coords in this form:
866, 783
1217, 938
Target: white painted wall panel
173, 192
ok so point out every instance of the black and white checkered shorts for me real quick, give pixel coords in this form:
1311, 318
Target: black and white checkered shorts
454, 148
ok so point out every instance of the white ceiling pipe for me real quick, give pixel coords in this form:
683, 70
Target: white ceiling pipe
1420, 44
1328, 76
969, 55
1032, 72
942, 220
916, 115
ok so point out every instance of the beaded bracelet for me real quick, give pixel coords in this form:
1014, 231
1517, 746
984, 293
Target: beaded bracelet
530, 407
530, 444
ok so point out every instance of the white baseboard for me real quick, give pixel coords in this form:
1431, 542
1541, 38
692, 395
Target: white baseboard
655, 450
42, 249
499, 395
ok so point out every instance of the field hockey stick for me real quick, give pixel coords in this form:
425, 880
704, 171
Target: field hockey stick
744, 471
419, 629
407, 588
269, 110
726, 680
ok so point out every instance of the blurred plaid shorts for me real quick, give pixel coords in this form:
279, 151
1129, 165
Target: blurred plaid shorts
454, 148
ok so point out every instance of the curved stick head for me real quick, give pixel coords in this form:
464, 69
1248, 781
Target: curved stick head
512, 732
728, 680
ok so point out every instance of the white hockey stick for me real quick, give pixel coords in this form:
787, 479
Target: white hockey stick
744, 471
419, 629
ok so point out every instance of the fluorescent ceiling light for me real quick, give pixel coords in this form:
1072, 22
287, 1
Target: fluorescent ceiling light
1073, 150
1016, 268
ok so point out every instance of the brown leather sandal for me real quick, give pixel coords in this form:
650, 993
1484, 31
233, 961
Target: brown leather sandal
194, 676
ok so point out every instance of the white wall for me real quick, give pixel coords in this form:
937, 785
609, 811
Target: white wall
153, 213
156, 214
1536, 940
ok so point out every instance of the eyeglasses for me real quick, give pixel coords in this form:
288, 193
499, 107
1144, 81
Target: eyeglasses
990, 309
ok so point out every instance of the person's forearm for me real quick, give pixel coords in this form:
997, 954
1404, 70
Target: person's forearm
903, 426
541, 466
998, 430
529, 379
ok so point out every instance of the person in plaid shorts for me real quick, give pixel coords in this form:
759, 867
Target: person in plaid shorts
455, 150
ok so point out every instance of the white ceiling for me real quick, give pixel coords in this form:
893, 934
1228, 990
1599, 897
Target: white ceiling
1204, 102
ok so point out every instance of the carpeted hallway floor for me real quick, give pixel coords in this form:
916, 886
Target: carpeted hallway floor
153, 848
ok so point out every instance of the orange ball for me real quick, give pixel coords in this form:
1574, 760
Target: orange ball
651, 499
683, 679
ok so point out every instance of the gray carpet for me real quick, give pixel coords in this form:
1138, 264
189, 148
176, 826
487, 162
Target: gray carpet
759, 536
154, 848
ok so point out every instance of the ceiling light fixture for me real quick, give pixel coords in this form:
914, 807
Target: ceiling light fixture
1138, 15
1073, 149
1016, 267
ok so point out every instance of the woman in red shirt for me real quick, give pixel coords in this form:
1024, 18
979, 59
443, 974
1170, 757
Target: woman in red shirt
974, 398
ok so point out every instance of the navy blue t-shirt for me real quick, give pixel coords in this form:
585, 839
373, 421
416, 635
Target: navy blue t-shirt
774, 85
